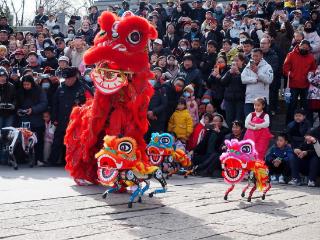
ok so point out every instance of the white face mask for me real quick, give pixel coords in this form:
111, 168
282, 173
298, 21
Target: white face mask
183, 48
70, 35
242, 39
55, 31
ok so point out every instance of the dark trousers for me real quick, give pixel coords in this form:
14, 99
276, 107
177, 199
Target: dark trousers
207, 163
274, 93
234, 111
58, 149
282, 169
308, 166
38, 148
295, 94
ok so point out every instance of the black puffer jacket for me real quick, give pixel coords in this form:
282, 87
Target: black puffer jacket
158, 103
192, 75
7, 96
234, 89
272, 58
216, 86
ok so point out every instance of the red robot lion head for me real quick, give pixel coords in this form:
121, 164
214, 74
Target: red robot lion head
119, 51
237, 161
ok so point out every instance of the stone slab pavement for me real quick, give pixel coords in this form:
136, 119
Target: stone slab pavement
44, 203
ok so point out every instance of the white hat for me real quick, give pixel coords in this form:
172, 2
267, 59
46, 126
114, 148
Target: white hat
158, 41
63, 58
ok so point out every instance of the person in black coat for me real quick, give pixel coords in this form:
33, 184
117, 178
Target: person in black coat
182, 9
272, 58
7, 106
7, 99
157, 110
209, 59
171, 39
174, 91
4, 25
51, 60
86, 32
234, 94
32, 102
214, 34
198, 13
206, 153
194, 33
191, 74
196, 51
40, 17
214, 81
69, 94
298, 128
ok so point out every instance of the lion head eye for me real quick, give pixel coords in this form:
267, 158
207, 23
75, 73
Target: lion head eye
247, 148
134, 37
125, 147
165, 140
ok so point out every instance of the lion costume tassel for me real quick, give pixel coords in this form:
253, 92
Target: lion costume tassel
122, 96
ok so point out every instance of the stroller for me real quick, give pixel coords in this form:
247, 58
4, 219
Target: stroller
18, 143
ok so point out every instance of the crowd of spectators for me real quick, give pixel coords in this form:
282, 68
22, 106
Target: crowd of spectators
220, 68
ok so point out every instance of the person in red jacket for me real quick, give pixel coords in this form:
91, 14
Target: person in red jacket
296, 67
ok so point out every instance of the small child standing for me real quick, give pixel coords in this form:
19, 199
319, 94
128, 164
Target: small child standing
278, 159
257, 124
181, 122
48, 135
192, 105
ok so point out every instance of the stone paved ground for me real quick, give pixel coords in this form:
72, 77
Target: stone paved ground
43, 203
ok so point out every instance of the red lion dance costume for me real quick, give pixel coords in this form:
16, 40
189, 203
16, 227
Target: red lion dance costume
122, 95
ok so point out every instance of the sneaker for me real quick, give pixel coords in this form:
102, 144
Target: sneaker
304, 180
273, 178
281, 179
295, 182
311, 183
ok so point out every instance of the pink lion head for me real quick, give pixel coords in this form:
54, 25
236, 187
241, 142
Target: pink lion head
235, 160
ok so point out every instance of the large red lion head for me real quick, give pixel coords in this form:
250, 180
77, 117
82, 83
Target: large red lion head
120, 50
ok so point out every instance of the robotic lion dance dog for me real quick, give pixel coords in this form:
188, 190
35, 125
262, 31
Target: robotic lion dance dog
240, 159
161, 153
120, 165
119, 106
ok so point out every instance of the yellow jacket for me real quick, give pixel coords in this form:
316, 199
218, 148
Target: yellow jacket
181, 124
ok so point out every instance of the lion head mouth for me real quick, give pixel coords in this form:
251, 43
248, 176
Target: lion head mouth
234, 170
155, 155
108, 80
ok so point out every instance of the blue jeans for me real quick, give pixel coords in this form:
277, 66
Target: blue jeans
234, 111
295, 93
309, 165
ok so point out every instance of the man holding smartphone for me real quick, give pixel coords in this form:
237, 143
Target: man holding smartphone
257, 76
